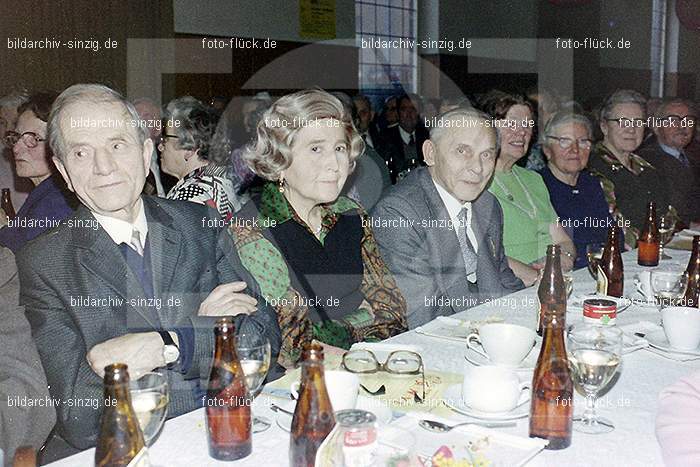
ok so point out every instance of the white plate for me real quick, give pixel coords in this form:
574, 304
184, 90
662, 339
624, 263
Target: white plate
659, 340
528, 363
575, 303
453, 399
381, 410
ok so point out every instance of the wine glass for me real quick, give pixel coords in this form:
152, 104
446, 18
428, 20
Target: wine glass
253, 351
149, 398
594, 253
666, 226
594, 352
668, 286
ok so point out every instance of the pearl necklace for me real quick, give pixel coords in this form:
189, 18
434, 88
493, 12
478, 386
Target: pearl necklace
530, 213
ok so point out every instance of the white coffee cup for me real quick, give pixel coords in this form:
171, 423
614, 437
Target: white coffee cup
493, 389
642, 281
682, 327
503, 344
342, 387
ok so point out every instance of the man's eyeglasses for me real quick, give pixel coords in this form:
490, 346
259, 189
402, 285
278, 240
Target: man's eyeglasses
623, 122
566, 143
29, 138
163, 138
399, 362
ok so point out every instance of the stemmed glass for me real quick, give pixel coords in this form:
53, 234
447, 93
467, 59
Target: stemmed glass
595, 352
594, 253
668, 286
253, 351
149, 398
666, 228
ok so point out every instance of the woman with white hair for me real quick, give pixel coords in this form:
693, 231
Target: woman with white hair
575, 194
629, 181
312, 251
185, 146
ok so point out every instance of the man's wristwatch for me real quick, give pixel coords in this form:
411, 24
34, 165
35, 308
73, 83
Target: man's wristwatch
171, 352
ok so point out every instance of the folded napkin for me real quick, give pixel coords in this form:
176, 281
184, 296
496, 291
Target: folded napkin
630, 342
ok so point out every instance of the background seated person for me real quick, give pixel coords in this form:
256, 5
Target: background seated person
22, 377
575, 194
529, 220
311, 251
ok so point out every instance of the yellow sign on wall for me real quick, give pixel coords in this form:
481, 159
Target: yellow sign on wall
317, 19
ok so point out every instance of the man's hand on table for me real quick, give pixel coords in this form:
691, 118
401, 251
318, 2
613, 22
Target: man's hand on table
225, 300
142, 352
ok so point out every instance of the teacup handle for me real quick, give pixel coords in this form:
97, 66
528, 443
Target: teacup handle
475, 336
523, 393
638, 285
294, 389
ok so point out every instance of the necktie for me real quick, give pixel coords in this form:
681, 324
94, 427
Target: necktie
683, 158
465, 245
135, 243
411, 140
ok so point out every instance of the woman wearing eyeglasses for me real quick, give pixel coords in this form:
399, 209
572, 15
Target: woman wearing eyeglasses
185, 146
575, 194
628, 180
529, 220
49, 202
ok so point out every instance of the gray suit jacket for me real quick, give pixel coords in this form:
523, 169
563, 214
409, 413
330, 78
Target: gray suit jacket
409, 224
78, 261
21, 373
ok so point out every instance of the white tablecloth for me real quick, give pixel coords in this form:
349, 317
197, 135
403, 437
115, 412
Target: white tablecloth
631, 403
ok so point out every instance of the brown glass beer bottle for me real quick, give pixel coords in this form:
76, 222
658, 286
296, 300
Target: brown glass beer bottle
551, 405
227, 405
610, 271
692, 293
120, 442
313, 416
552, 291
6, 204
649, 242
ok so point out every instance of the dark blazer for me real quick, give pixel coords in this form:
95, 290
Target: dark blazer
392, 147
425, 257
21, 373
679, 183
79, 261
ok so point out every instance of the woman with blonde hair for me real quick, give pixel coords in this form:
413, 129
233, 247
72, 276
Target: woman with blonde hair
311, 251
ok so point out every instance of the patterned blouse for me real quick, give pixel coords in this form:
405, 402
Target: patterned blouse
275, 251
208, 185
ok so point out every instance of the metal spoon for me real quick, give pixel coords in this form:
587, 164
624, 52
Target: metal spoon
277, 408
437, 427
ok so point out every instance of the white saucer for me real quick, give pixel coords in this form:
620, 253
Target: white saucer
453, 399
659, 340
528, 363
376, 406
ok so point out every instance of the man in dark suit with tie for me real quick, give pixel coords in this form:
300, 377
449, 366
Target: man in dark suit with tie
402, 146
128, 278
674, 125
439, 230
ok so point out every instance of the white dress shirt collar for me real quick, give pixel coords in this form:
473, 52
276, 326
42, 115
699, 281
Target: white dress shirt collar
406, 136
121, 231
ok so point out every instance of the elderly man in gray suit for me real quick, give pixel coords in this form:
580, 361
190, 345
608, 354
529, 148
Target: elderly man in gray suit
26, 414
129, 278
439, 231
